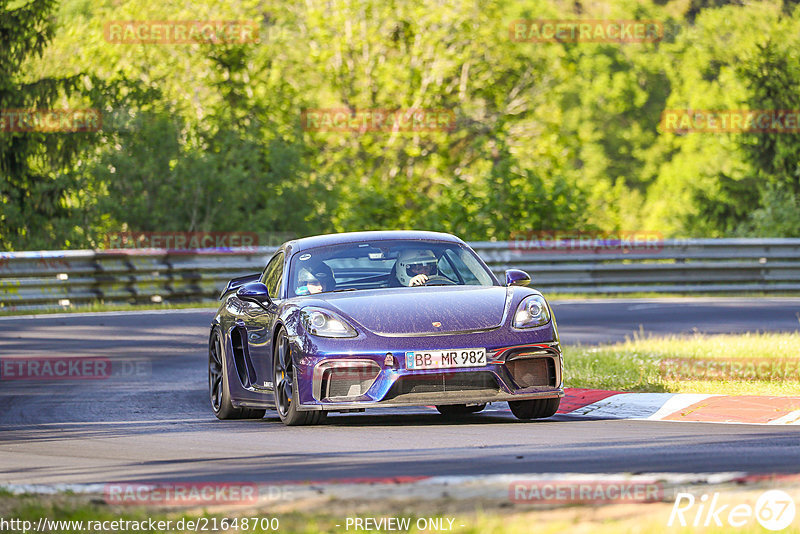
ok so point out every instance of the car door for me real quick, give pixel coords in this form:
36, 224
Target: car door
258, 323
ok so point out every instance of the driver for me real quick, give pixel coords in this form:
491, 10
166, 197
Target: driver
415, 266
313, 279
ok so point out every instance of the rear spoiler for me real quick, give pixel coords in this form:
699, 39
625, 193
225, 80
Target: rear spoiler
238, 282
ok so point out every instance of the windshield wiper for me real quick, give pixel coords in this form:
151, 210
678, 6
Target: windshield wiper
345, 289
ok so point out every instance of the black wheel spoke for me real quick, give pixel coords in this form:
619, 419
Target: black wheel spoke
215, 372
279, 385
287, 364
283, 375
283, 400
287, 390
218, 391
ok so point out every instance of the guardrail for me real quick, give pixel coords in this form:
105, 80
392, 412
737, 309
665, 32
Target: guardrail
51, 279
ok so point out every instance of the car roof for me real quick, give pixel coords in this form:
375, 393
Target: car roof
306, 243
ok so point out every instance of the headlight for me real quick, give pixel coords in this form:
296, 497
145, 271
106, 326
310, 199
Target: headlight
532, 311
324, 323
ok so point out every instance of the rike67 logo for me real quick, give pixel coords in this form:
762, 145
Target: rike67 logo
774, 510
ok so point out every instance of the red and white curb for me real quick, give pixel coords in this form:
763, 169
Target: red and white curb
686, 407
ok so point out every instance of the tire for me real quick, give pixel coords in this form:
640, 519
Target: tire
534, 409
459, 410
285, 386
218, 388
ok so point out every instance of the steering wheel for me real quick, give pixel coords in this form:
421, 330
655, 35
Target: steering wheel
438, 278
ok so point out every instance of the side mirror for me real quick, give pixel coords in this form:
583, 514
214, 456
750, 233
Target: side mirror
255, 292
515, 277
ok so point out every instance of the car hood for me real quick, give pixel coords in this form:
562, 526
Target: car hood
417, 310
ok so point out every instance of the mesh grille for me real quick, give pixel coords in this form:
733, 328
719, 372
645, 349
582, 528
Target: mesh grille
347, 382
442, 383
529, 372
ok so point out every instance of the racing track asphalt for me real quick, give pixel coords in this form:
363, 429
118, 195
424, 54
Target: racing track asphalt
154, 423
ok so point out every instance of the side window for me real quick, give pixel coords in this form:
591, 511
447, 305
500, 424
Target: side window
273, 274
446, 269
467, 266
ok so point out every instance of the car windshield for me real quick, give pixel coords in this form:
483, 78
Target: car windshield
381, 264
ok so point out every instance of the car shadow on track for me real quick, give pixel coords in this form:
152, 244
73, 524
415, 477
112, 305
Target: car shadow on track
432, 418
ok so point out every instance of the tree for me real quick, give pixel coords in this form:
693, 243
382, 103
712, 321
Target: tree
33, 186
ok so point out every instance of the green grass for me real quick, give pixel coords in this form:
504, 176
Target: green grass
680, 364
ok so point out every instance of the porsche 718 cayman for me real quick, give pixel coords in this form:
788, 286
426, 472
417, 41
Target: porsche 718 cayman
345, 322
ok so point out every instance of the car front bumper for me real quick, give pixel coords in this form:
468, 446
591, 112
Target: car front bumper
368, 379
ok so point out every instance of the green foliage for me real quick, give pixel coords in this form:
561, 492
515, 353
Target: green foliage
548, 136
32, 187
40, 186
779, 214
716, 184
773, 76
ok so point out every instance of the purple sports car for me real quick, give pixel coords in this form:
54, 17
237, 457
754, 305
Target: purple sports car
345, 322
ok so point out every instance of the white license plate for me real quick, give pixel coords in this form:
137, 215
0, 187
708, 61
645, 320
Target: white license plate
442, 359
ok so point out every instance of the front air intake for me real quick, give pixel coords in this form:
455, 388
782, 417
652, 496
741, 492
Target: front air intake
345, 383
344, 379
532, 371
